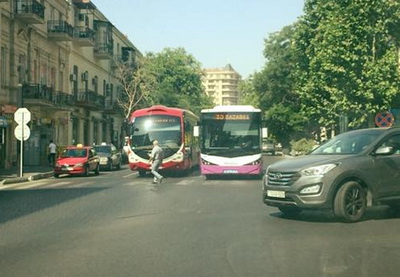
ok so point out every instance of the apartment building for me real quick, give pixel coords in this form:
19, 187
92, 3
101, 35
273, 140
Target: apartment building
222, 85
58, 60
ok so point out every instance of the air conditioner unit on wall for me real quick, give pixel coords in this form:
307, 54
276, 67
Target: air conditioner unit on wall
85, 76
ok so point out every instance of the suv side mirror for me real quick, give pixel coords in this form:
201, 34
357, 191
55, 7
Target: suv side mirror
196, 131
384, 151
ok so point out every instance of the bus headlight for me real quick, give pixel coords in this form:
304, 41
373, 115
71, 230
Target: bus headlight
206, 162
256, 162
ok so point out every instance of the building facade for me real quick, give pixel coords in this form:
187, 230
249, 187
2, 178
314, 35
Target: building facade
222, 85
58, 60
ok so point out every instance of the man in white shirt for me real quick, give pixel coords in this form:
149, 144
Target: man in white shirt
52, 153
156, 157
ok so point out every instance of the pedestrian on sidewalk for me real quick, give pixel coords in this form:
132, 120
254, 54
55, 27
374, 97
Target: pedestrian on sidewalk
52, 149
156, 158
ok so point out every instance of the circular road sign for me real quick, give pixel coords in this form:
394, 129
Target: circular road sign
22, 129
22, 116
384, 119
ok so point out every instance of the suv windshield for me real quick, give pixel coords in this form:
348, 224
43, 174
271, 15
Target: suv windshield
348, 143
73, 153
103, 149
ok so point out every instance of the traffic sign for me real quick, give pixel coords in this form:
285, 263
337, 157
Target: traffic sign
22, 132
22, 116
384, 119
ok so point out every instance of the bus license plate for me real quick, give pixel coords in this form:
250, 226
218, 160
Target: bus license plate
276, 193
230, 171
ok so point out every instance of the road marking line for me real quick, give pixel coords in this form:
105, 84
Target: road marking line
81, 184
129, 175
28, 186
63, 183
184, 183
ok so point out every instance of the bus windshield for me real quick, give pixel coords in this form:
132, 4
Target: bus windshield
230, 134
164, 128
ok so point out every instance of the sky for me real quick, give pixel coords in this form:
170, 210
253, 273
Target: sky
215, 32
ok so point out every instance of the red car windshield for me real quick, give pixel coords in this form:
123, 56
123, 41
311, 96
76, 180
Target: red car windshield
74, 153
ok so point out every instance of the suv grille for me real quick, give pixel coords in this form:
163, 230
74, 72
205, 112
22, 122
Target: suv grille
282, 178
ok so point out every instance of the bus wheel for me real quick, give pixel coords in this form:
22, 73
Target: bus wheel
142, 173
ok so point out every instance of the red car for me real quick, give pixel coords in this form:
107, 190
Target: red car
77, 160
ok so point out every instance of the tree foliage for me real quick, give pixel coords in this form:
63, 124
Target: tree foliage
274, 85
136, 84
171, 78
347, 55
249, 95
178, 80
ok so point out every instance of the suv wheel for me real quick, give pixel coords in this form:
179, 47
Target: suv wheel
350, 202
86, 171
97, 171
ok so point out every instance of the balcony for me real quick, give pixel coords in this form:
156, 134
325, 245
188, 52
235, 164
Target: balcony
62, 99
59, 30
30, 11
103, 51
36, 94
111, 106
84, 36
89, 99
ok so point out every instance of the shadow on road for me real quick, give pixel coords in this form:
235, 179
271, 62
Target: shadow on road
18, 203
374, 213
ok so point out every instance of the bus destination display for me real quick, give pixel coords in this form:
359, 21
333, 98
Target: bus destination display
231, 116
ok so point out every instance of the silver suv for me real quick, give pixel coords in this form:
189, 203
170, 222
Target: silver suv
351, 171
110, 157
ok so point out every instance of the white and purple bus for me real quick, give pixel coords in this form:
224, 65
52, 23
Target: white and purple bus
230, 141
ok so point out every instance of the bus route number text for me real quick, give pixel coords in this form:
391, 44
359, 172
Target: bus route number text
231, 117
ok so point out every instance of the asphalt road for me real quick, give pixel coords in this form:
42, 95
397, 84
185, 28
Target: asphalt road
115, 224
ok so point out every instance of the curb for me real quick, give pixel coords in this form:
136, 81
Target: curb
27, 179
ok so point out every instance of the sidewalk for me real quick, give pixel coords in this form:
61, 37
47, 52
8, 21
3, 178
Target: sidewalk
12, 175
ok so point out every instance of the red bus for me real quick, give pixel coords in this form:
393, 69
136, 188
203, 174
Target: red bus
173, 128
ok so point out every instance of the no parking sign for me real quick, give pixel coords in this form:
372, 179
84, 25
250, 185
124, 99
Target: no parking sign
384, 119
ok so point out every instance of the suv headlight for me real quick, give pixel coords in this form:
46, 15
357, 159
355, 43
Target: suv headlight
318, 170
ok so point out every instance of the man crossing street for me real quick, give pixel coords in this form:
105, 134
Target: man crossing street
156, 157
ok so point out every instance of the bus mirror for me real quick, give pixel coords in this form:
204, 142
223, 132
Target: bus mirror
196, 131
126, 141
264, 132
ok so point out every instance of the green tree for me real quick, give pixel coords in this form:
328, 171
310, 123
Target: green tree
249, 95
178, 80
348, 59
274, 85
136, 83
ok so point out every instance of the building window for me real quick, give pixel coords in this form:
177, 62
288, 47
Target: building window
96, 84
53, 77
61, 81
21, 69
3, 66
